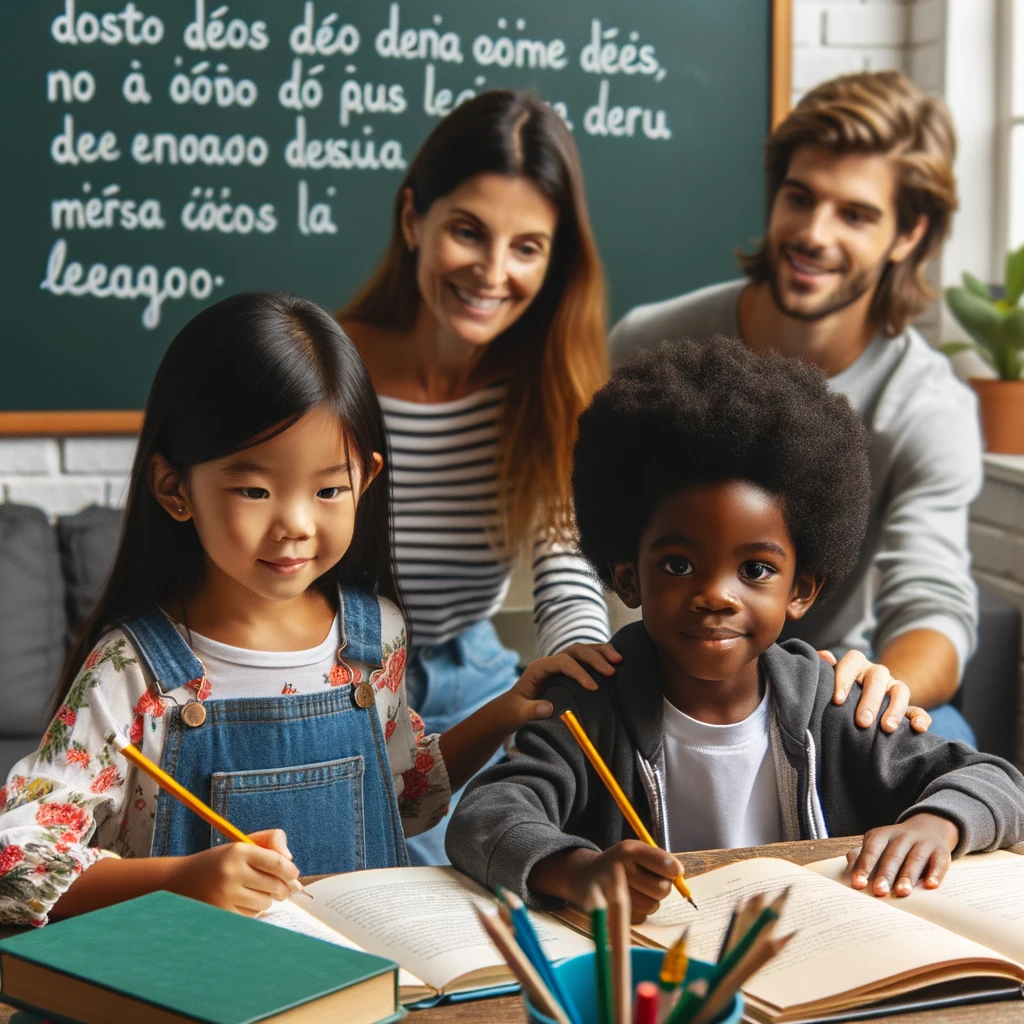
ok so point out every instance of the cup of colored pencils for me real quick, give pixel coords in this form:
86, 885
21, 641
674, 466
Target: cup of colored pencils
622, 984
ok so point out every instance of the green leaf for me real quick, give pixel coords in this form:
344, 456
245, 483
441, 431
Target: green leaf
1015, 276
952, 348
1012, 328
978, 316
976, 286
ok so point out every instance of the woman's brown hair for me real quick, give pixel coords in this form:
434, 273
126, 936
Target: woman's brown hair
554, 357
878, 112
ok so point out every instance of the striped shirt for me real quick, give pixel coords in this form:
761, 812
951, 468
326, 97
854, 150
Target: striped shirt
445, 486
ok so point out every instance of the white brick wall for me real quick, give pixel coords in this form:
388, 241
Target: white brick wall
64, 475
841, 36
997, 540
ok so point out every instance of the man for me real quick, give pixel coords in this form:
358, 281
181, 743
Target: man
861, 191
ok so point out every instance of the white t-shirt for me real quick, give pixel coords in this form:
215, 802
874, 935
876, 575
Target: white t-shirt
720, 782
240, 672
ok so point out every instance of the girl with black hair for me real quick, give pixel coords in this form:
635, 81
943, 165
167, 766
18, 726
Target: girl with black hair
250, 640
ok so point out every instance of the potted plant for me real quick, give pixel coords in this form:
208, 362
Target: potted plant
996, 327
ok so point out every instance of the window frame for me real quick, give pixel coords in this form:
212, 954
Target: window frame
1009, 212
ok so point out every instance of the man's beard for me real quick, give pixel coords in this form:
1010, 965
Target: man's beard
846, 294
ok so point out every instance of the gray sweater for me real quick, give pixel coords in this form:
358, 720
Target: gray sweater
833, 777
914, 570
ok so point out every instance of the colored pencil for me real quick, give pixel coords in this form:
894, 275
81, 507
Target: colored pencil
605, 775
529, 942
646, 1003
526, 974
763, 950
689, 1005
598, 908
621, 941
190, 800
728, 937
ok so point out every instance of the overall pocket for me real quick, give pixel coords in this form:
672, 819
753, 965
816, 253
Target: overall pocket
319, 806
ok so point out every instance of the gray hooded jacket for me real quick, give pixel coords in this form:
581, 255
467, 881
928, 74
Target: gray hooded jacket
834, 778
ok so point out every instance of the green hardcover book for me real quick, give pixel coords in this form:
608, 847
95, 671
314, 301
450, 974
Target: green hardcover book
163, 958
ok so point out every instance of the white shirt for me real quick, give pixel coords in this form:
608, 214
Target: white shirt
240, 672
720, 782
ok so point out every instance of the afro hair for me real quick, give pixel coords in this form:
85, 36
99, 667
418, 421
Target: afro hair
694, 413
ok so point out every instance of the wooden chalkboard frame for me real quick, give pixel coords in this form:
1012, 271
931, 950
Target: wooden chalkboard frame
128, 421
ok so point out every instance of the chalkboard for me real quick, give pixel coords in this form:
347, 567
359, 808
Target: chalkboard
161, 154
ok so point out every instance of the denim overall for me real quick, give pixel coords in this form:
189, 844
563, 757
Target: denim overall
312, 764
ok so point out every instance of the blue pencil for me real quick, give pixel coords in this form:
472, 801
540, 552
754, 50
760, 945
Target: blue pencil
530, 944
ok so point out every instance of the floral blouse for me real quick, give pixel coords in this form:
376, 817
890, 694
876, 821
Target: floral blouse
76, 799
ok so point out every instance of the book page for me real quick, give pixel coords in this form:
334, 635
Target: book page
845, 942
286, 914
981, 898
424, 918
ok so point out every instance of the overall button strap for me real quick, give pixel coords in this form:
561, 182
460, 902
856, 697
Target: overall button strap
160, 646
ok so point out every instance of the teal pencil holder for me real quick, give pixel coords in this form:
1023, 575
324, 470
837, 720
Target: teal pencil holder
577, 977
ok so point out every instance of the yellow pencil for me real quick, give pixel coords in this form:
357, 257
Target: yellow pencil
605, 775
192, 802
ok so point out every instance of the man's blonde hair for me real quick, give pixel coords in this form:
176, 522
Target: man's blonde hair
878, 112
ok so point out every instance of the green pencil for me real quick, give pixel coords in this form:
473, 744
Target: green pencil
689, 1004
602, 959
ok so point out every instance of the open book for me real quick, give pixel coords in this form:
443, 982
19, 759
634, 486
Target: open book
961, 942
424, 919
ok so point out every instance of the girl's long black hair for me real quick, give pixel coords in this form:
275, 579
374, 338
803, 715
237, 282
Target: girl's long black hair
235, 375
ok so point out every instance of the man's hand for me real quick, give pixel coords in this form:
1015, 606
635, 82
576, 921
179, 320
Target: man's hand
900, 855
876, 681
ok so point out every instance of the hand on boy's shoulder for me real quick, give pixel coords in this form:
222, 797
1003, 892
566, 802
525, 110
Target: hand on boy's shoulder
799, 676
544, 675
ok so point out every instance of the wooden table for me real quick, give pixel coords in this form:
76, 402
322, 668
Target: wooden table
509, 1009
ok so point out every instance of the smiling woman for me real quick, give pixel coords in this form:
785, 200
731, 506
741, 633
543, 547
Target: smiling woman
484, 334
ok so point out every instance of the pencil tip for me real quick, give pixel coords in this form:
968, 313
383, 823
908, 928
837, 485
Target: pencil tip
692, 902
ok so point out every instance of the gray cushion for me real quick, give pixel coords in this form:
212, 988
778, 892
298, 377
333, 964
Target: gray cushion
12, 751
32, 620
88, 543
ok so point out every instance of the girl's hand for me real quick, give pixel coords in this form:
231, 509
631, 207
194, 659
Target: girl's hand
877, 681
239, 876
524, 698
602, 658
901, 854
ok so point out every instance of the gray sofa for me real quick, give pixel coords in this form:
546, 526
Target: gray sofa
51, 575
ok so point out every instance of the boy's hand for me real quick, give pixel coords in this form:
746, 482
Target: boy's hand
876, 681
569, 875
239, 876
899, 855
524, 703
650, 873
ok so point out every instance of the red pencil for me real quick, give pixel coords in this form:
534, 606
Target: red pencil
646, 1003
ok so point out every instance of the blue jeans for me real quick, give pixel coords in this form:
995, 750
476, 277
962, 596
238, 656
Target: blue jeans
948, 723
447, 683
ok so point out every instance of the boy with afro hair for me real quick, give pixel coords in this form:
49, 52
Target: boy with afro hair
722, 492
